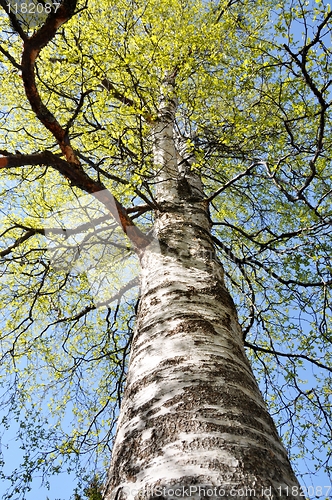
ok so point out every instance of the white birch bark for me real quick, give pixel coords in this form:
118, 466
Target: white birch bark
193, 422
165, 159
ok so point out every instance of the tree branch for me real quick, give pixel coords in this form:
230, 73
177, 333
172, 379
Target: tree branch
20, 240
32, 48
71, 168
253, 262
10, 58
285, 355
79, 178
14, 22
116, 178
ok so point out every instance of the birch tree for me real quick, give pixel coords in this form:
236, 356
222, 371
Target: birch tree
166, 216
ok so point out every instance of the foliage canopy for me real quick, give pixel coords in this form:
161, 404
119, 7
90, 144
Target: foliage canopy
254, 94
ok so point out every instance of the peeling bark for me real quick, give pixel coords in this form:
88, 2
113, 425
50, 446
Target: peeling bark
193, 421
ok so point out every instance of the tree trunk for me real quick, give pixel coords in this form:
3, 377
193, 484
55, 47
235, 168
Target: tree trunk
193, 422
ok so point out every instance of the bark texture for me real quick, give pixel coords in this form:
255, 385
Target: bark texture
193, 421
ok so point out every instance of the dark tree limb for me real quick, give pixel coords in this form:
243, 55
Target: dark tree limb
71, 168
79, 178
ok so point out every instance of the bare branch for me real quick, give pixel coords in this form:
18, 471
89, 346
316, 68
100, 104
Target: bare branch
10, 58
20, 240
286, 355
232, 181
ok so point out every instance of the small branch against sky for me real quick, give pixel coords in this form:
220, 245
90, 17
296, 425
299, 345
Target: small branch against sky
166, 178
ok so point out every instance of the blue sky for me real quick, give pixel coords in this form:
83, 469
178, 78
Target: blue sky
63, 485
